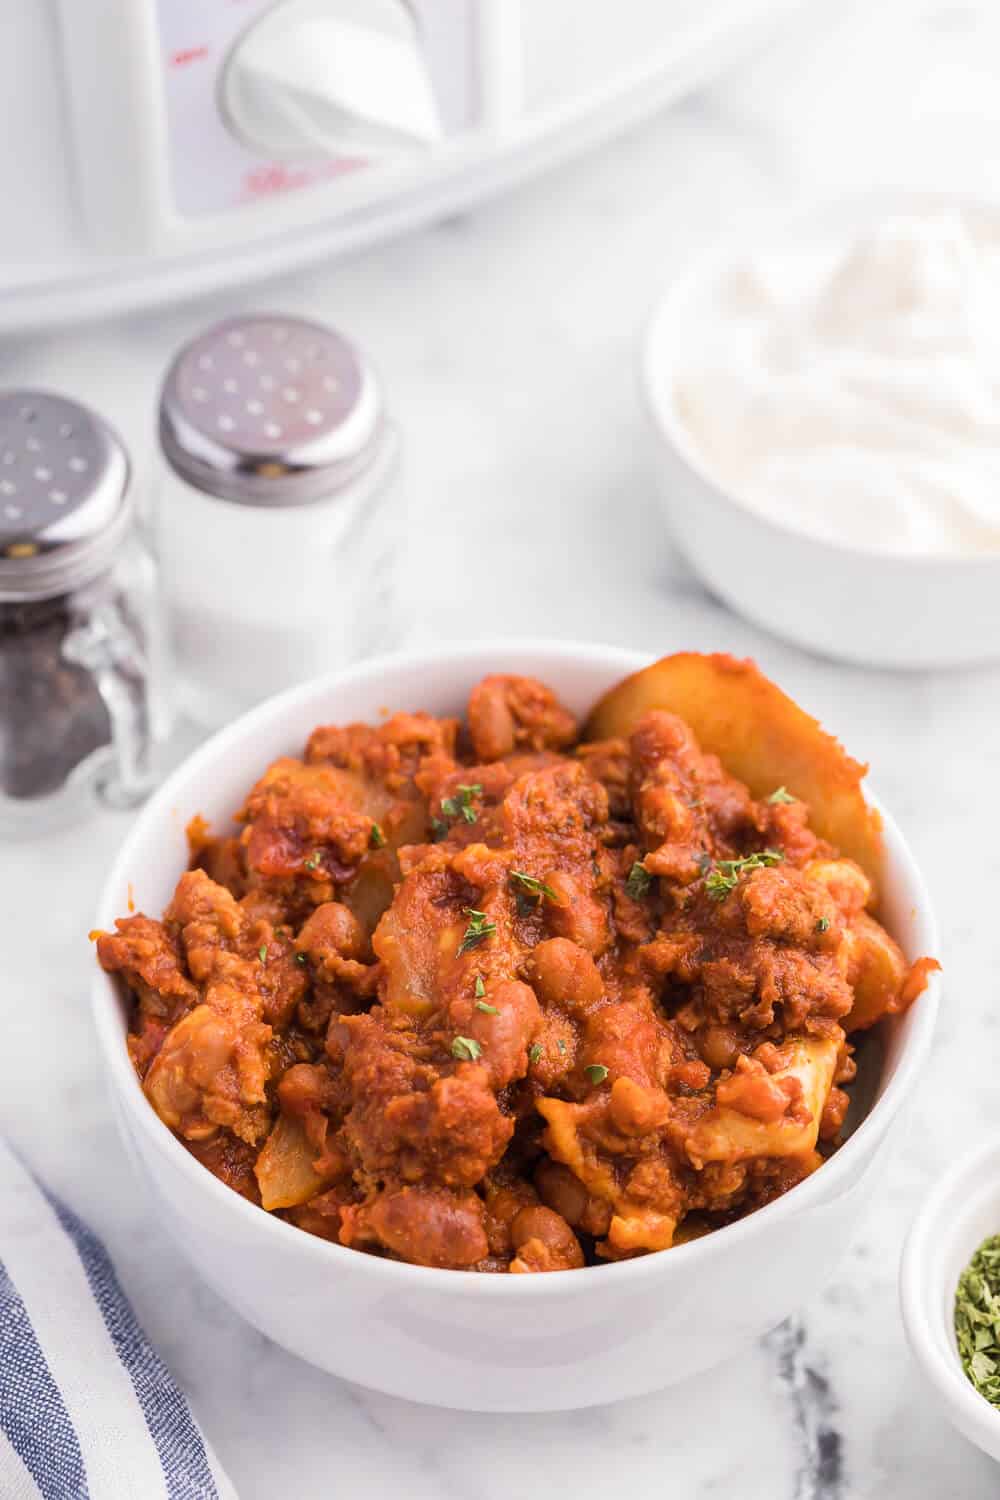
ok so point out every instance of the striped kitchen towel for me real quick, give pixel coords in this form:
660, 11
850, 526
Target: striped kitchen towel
88, 1410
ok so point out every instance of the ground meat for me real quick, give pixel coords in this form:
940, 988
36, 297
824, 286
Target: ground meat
510, 712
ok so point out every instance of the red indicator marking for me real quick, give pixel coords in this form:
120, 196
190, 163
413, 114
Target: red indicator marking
187, 55
276, 177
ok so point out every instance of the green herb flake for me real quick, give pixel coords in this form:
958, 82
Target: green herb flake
439, 830
480, 988
718, 885
639, 881
530, 886
977, 1319
561, 1045
465, 796
302, 958
466, 1049
479, 929
460, 806
312, 862
534, 1052
487, 1009
262, 953
823, 925
596, 1072
376, 839
724, 878
781, 794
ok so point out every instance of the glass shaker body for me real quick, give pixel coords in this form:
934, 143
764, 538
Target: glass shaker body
81, 636
276, 553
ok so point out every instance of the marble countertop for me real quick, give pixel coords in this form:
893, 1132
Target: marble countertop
508, 342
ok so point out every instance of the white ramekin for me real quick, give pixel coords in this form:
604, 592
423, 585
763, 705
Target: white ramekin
486, 1343
961, 1211
869, 607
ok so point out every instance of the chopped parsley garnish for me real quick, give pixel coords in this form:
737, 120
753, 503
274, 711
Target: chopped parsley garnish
534, 1052
376, 839
977, 1319
479, 929
823, 924
312, 862
439, 830
781, 794
480, 988
530, 886
466, 1049
486, 1008
727, 872
639, 880
596, 1072
460, 806
561, 1045
301, 958
262, 953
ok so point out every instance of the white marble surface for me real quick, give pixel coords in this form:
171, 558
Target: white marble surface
508, 341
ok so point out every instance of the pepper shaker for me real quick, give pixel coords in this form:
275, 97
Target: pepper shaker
80, 640
274, 525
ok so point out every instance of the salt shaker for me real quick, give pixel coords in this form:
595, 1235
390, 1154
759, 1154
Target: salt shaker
81, 662
274, 524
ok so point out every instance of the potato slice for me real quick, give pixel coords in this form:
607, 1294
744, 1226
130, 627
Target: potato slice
876, 969
761, 736
726, 1134
882, 981
285, 1171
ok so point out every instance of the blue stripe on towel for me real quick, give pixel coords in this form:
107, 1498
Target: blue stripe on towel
173, 1429
32, 1412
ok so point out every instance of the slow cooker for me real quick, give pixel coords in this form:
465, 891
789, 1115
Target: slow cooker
158, 148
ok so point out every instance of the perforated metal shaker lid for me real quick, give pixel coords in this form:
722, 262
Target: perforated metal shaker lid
64, 496
270, 411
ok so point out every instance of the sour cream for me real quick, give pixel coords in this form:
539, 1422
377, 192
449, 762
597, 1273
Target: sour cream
851, 389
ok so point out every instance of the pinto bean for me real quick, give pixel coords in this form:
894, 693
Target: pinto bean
565, 976
429, 1226
636, 1110
505, 1036
544, 1242
332, 929
719, 1046
576, 913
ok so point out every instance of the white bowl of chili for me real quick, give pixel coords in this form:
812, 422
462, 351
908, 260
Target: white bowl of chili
961, 1211
562, 1340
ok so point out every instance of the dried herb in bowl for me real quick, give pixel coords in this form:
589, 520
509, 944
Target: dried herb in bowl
977, 1319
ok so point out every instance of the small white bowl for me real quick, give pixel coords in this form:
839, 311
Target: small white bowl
484, 1343
962, 1210
864, 606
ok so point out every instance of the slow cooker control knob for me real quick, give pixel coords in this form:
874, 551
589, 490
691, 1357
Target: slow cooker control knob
314, 78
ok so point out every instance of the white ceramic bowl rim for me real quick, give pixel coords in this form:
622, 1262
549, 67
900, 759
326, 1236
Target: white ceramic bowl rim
659, 356
825, 1184
920, 1287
